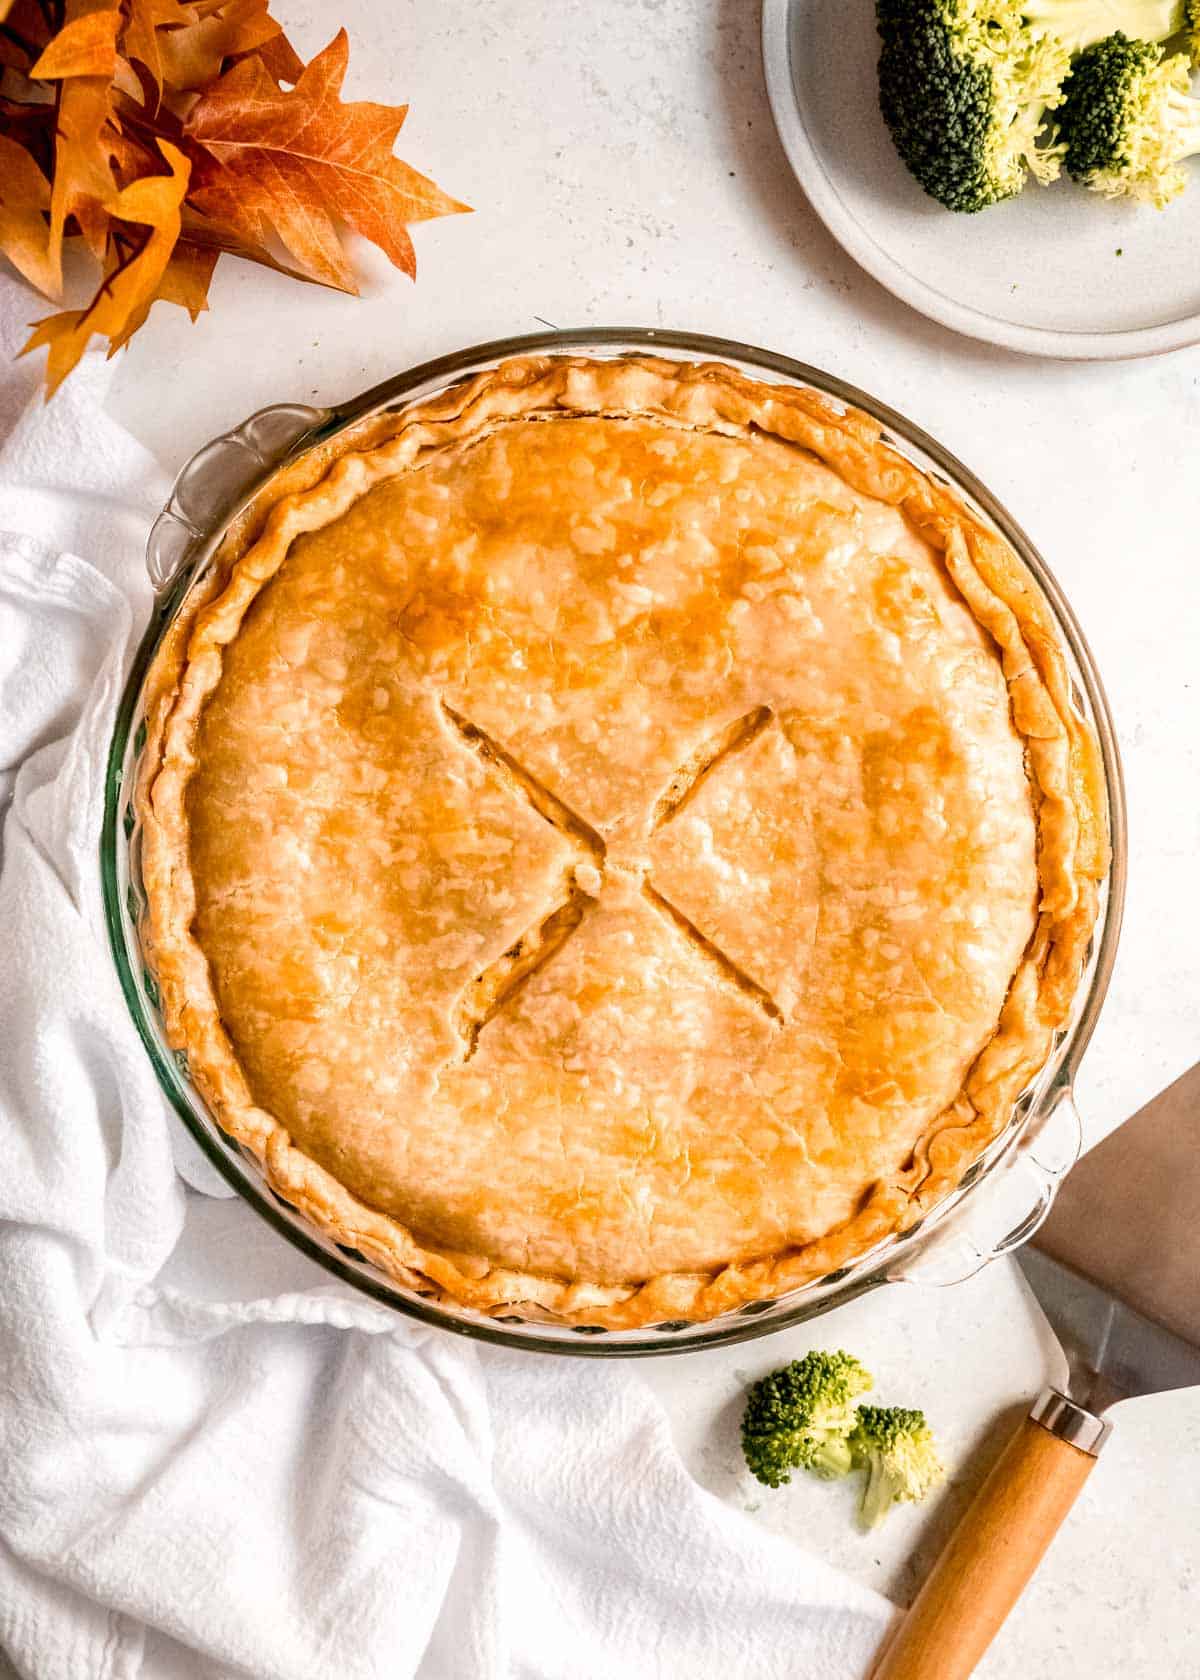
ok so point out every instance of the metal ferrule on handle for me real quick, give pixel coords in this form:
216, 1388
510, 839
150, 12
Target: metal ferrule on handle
1069, 1421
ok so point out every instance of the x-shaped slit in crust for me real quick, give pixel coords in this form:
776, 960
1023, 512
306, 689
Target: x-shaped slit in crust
712, 953
517, 777
495, 986
501, 980
695, 771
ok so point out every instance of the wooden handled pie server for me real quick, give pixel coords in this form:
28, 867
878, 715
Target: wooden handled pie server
1116, 1270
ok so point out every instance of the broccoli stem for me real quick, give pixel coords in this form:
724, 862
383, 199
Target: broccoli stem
877, 1495
1080, 23
832, 1459
1181, 116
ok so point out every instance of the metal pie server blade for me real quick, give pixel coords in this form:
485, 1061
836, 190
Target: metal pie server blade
1116, 1266
1112, 1352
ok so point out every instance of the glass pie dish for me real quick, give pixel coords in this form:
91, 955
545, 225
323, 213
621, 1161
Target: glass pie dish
214, 497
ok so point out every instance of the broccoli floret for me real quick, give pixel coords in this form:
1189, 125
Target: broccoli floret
895, 1446
1127, 120
799, 1418
963, 89
965, 86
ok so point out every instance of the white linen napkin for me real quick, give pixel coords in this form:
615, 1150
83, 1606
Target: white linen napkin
216, 1462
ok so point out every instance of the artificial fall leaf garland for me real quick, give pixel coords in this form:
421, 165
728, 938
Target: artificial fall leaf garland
160, 133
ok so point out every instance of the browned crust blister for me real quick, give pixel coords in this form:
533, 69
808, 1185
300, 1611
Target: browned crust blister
1062, 756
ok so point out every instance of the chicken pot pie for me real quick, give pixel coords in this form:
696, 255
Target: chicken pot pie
618, 840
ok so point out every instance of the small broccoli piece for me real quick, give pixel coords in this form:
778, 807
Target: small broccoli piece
799, 1418
1127, 120
895, 1446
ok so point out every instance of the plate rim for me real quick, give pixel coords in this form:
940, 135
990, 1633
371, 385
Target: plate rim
855, 240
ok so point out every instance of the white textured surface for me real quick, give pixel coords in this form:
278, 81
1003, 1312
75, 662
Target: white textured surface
626, 172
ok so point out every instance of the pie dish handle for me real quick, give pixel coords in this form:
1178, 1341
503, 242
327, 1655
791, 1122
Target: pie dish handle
219, 477
998, 1224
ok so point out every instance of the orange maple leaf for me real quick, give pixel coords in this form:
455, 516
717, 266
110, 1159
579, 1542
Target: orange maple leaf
213, 236
96, 93
187, 277
135, 270
143, 20
87, 46
281, 59
269, 162
193, 57
24, 199
83, 177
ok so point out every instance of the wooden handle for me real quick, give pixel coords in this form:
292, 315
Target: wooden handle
989, 1558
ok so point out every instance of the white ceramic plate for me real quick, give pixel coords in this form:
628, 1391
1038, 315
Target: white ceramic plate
1040, 273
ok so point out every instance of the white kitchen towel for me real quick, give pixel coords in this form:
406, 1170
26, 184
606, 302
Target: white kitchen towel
213, 1461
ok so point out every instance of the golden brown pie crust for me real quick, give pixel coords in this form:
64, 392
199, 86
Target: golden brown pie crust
618, 839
